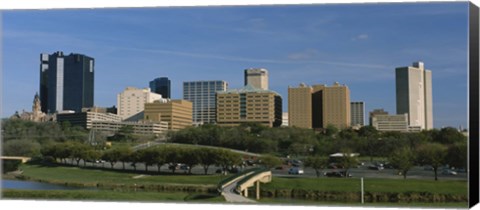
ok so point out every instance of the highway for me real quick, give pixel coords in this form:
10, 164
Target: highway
416, 172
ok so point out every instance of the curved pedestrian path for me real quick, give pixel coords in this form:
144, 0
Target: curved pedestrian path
235, 188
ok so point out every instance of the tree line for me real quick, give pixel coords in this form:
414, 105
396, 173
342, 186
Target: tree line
169, 155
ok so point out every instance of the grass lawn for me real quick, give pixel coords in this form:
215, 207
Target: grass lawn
298, 202
90, 177
370, 185
108, 195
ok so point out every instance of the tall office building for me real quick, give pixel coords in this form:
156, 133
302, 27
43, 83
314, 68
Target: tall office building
414, 94
161, 86
335, 105
257, 77
357, 113
177, 113
319, 106
66, 82
249, 104
300, 106
131, 102
202, 95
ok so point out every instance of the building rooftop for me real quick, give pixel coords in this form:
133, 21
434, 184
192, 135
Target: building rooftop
248, 89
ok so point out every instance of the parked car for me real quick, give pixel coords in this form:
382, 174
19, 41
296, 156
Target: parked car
333, 174
337, 174
295, 170
449, 172
375, 167
184, 167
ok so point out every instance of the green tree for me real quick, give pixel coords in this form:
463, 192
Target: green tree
173, 157
457, 155
78, 151
317, 163
432, 154
90, 154
403, 159
190, 157
112, 156
331, 130
348, 160
125, 153
269, 161
227, 159
21, 147
149, 157
449, 135
206, 158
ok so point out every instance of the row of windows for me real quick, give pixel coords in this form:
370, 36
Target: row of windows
248, 118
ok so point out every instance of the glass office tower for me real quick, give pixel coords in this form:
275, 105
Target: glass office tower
202, 95
66, 82
161, 86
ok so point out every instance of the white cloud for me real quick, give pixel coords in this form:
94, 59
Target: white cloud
360, 37
303, 55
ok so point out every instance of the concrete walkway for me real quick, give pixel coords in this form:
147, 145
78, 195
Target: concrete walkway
232, 196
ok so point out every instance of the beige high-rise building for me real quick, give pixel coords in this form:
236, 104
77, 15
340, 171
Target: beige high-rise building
249, 104
131, 102
257, 77
336, 106
300, 106
414, 94
319, 106
177, 113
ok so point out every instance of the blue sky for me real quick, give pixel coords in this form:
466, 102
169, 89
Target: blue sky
355, 44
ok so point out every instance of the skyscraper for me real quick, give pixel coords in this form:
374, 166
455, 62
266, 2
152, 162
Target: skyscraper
335, 105
249, 105
257, 77
131, 102
414, 94
202, 96
66, 82
300, 106
319, 106
161, 86
357, 112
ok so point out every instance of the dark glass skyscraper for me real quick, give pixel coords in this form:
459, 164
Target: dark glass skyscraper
161, 86
66, 82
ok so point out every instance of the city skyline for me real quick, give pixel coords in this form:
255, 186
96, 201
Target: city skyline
316, 44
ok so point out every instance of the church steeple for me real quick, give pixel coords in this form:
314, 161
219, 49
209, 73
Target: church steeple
36, 108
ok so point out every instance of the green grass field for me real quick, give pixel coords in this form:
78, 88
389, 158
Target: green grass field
108, 195
91, 177
370, 185
297, 202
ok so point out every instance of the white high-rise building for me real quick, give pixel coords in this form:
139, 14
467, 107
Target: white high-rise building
257, 77
414, 95
131, 102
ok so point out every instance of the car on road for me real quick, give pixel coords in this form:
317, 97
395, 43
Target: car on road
375, 167
184, 167
448, 172
337, 174
295, 170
